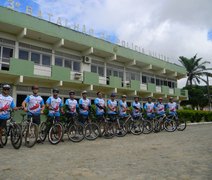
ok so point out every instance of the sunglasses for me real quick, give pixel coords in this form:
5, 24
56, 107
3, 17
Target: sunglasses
6, 89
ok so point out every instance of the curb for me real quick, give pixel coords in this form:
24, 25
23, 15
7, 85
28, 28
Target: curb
200, 123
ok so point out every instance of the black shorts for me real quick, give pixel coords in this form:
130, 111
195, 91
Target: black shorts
3, 123
35, 119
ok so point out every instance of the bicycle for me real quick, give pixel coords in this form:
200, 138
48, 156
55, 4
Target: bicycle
13, 130
53, 129
29, 130
106, 128
73, 129
181, 124
165, 122
91, 129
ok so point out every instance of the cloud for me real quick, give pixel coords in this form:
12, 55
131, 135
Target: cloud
170, 27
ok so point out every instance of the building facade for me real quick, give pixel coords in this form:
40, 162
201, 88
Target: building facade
35, 51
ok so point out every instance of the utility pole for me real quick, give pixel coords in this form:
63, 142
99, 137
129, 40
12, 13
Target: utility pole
209, 96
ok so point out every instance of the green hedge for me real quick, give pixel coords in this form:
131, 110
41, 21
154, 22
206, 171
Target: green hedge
195, 116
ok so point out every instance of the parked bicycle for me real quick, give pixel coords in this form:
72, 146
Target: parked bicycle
53, 129
13, 131
29, 130
73, 128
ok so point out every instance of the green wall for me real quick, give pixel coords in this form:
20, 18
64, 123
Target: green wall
90, 78
21, 67
60, 73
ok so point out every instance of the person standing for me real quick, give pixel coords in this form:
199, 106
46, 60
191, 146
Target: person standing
34, 105
6, 103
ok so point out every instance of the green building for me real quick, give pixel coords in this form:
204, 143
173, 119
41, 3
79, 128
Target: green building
35, 51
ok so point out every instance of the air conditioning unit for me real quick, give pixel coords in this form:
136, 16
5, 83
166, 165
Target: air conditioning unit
86, 59
77, 75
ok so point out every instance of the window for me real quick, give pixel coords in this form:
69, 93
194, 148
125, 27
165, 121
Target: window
144, 79
68, 63
165, 83
98, 69
93, 69
58, 61
76, 66
121, 75
132, 76
152, 80
158, 83
7, 54
46, 60
23, 54
115, 73
101, 71
137, 76
109, 72
35, 57
170, 84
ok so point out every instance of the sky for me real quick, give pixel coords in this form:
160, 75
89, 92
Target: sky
171, 28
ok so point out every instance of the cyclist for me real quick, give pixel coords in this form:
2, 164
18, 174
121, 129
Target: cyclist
123, 108
172, 107
34, 105
72, 105
149, 107
54, 104
84, 108
112, 105
159, 107
100, 106
136, 106
6, 102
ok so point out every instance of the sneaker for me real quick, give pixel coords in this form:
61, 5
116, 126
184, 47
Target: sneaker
119, 133
1, 146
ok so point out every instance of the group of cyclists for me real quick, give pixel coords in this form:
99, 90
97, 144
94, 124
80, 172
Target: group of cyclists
34, 105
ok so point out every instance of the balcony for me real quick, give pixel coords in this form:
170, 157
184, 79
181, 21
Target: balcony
143, 87
158, 89
102, 80
42, 70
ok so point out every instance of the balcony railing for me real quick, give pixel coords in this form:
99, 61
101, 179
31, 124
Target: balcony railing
143, 87
171, 91
42, 71
158, 89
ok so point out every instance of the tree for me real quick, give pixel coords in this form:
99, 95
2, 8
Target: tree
198, 97
195, 69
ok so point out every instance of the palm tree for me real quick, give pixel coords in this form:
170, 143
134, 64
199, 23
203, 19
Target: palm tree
195, 69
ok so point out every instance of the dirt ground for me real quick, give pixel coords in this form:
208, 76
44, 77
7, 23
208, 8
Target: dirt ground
179, 155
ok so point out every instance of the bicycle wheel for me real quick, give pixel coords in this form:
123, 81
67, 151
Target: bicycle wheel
170, 125
4, 137
120, 129
101, 128
108, 130
147, 126
55, 133
156, 125
91, 131
16, 136
181, 124
136, 128
43, 131
75, 133
31, 135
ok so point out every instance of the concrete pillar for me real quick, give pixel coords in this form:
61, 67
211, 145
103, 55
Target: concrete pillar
16, 54
14, 94
53, 57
